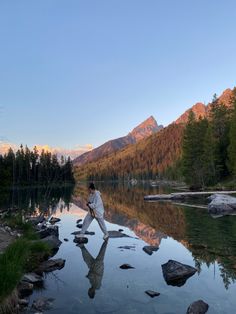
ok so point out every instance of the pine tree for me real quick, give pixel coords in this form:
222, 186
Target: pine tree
232, 139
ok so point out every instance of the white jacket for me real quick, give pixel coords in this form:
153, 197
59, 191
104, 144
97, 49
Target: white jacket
96, 204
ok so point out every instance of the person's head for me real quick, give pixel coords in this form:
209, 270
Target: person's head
91, 187
91, 293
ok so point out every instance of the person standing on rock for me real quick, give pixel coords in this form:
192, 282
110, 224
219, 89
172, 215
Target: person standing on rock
96, 210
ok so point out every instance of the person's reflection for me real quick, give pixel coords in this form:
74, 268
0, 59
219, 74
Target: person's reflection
96, 268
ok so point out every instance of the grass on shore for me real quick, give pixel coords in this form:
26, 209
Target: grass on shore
21, 256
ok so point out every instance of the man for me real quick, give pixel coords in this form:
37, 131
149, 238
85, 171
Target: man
96, 210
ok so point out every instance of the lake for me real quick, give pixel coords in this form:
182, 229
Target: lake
188, 235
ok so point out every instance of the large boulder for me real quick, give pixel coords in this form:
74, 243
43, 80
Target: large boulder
198, 307
176, 274
222, 204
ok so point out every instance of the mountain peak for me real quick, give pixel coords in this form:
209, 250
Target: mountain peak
199, 109
145, 129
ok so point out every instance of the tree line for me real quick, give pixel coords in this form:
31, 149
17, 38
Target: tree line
209, 146
27, 167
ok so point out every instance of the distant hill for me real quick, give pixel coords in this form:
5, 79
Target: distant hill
145, 129
151, 156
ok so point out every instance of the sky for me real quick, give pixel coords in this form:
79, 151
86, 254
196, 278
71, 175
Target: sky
77, 72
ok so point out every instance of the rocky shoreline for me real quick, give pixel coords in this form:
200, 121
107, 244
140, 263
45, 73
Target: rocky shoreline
174, 272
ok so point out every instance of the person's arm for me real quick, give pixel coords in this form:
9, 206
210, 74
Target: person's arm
95, 202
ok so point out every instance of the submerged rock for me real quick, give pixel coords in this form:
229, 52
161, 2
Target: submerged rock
198, 307
126, 266
150, 249
43, 304
176, 274
222, 204
51, 265
152, 294
66, 240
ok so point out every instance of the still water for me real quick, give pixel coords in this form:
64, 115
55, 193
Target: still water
188, 235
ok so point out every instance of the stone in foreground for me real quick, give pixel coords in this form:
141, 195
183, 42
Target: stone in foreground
52, 265
150, 249
176, 274
222, 204
152, 294
198, 307
126, 266
80, 240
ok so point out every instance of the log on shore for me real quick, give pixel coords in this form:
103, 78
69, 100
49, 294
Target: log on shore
183, 195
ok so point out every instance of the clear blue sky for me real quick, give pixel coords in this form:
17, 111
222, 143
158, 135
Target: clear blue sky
82, 71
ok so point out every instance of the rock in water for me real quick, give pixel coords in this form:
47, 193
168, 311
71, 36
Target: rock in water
126, 266
222, 204
152, 294
79, 221
54, 220
198, 307
42, 304
25, 289
80, 240
51, 265
117, 234
176, 274
80, 226
52, 241
45, 232
32, 278
150, 249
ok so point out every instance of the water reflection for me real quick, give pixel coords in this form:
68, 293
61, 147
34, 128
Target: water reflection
209, 240
96, 268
